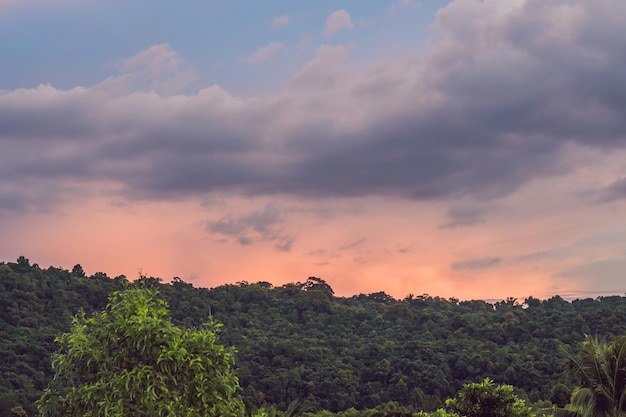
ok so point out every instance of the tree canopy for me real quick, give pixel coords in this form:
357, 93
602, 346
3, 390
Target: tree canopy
486, 399
130, 360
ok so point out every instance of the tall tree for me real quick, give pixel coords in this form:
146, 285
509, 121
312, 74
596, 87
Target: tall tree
131, 361
601, 369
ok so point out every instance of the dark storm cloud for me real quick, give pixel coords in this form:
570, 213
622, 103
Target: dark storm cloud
487, 108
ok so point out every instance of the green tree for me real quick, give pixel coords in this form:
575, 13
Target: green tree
601, 369
131, 361
484, 399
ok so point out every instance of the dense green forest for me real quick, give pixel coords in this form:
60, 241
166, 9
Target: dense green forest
299, 340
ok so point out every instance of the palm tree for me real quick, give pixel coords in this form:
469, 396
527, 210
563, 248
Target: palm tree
601, 369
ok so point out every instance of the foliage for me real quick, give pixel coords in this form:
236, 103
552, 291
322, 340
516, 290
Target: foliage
36, 305
300, 339
389, 409
440, 412
294, 409
18, 411
131, 361
601, 369
484, 399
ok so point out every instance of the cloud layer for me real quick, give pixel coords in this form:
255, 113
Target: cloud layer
489, 107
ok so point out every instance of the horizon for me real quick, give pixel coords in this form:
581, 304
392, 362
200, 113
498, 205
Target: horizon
568, 296
465, 148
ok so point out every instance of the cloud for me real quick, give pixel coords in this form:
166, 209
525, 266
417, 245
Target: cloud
464, 215
244, 240
263, 225
489, 107
259, 221
353, 244
264, 53
158, 68
338, 20
614, 192
404, 249
477, 263
605, 275
156, 60
280, 21
325, 70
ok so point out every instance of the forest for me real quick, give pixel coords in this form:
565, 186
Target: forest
299, 340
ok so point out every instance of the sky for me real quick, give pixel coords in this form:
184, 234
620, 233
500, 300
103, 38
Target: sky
465, 148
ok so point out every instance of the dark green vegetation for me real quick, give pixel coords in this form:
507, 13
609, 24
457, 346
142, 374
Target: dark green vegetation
300, 340
601, 369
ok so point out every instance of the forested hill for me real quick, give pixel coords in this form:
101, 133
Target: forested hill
299, 339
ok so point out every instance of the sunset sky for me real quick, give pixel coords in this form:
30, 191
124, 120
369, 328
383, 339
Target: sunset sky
464, 148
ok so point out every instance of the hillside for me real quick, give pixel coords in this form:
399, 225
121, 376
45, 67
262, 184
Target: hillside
299, 339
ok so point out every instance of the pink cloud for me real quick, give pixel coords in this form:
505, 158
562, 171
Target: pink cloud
338, 20
264, 53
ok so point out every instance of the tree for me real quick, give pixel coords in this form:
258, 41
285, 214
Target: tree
131, 361
601, 369
318, 284
78, 271
484, 399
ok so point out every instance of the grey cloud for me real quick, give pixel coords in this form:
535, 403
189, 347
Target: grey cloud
486, 109
551, 254
614, 192
477, 263
353, 244
284, 244
227, 226
47, 114
260, 221
244, 240
26, 196
404, 249
263, 225
464, 215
